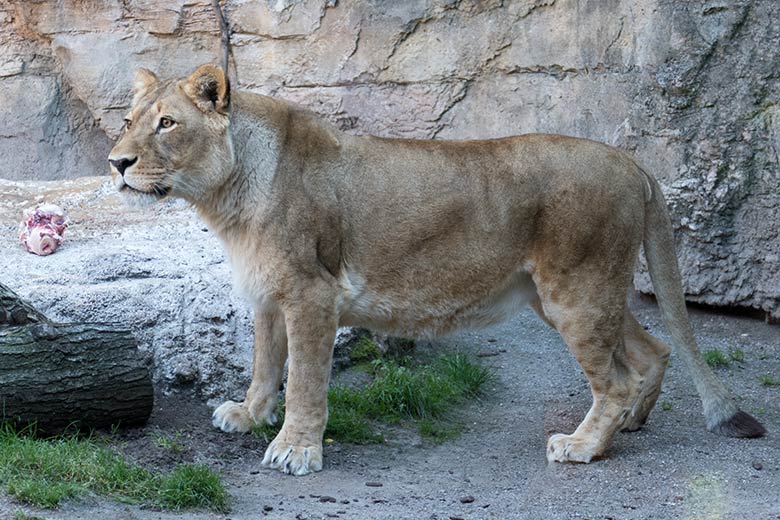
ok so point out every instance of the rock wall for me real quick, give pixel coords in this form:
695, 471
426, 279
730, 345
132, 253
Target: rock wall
692, 88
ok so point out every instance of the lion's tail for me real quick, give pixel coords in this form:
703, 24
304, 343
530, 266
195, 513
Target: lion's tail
722, 414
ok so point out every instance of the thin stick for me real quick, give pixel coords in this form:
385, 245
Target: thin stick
225, 30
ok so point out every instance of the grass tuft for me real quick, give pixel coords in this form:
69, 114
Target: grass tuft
44, 472
737, 355
768, 380
347, 418
172, 444
365, 351
666, 406
716, 358
192, 486
423, 395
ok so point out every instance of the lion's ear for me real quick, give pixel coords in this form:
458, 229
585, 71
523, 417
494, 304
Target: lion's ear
143, 82
209, 89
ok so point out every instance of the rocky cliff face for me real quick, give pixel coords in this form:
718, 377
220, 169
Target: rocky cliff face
691, 88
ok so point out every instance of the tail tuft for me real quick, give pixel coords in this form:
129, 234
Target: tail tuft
740, 424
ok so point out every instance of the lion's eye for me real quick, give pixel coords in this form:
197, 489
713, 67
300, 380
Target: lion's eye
166, 122
128, 124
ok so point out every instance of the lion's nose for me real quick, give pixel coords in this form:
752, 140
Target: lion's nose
122, 164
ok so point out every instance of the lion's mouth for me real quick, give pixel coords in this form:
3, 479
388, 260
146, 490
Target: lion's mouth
156, 191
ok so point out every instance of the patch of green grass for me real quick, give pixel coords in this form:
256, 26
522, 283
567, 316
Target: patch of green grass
768, 380
423, 395
416, 393
44, 472
347, 418
716, 358
364, 351
172, 444
666, 406
192, 486
737, 355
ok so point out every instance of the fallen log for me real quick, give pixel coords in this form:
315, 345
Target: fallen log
74, 375
15, 311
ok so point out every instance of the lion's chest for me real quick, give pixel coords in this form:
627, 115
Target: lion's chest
251, 278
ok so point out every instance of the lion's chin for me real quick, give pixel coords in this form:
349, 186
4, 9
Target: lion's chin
141, 199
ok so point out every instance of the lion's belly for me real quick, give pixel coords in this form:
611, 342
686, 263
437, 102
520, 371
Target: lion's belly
427, 311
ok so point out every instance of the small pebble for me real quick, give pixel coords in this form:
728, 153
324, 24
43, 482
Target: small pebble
456, 518
326, 498
758, 466
467, 499
268, 508
345, 501
374, 484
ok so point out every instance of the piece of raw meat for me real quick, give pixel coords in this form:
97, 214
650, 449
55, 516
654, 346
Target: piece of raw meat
42, 229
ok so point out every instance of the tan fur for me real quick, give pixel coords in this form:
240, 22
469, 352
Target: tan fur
416, 238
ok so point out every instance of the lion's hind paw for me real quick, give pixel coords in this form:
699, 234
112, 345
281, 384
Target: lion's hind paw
569, 448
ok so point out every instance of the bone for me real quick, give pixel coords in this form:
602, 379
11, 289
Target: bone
42, 229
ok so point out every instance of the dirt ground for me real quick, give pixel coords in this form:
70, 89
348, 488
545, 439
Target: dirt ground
672, 468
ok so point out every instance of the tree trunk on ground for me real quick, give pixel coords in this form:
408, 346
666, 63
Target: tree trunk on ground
15, 311
61, 375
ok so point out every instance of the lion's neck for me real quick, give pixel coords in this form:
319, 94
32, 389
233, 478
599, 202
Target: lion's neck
256, 131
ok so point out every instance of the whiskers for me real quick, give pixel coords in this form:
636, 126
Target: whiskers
145, 186
160, 191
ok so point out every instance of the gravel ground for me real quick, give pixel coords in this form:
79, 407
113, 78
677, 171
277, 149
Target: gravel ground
672, 468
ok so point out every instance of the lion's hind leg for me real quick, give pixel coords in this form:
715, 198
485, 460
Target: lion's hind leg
590, 320
649, 356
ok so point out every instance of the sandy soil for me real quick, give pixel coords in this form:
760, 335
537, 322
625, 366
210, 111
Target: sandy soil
672, 468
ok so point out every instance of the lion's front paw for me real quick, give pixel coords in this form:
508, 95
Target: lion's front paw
232, 417
569, 448
292, 459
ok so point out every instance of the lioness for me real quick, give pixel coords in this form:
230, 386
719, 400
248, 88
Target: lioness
416, 238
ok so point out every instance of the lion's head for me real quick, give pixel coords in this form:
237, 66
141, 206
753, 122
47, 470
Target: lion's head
175, 139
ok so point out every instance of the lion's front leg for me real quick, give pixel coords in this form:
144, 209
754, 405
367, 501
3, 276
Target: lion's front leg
267, 371
311, 329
